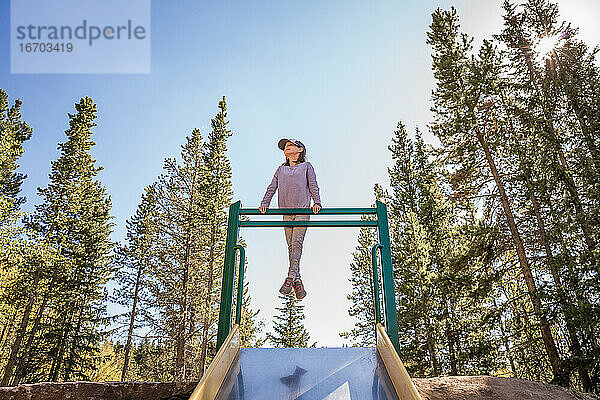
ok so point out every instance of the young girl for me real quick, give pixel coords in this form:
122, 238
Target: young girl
297, 183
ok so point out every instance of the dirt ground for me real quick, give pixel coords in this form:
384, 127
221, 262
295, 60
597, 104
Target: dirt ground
491, 387
443, 388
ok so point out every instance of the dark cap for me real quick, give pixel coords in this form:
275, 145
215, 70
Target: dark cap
283, 141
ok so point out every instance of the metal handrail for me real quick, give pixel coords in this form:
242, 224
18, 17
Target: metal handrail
270, 224
302, 211
389, 316
240, 288
376, 282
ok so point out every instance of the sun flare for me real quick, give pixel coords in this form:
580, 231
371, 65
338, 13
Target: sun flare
546, 45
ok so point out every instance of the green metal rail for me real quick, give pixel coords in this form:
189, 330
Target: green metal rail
308, 223
376, 296
388, 317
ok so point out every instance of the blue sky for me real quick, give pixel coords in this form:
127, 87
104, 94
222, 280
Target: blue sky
337, 75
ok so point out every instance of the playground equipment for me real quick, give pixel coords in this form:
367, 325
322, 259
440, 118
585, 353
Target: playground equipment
308, 373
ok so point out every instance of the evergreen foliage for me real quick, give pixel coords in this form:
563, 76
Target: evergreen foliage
288, 328
494, 232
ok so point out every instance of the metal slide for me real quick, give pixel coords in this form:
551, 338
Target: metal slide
340, 373
307, 373
303, 374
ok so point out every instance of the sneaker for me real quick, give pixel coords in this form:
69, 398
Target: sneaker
286, 288
299, 289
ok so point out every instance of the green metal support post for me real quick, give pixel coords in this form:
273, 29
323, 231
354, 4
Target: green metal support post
376, 282
228, 273
389, 293
240, 283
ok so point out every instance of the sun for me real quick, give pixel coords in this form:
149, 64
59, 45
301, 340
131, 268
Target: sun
546, 45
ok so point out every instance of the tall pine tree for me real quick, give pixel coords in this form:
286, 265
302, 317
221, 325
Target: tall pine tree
134, 258
75, 217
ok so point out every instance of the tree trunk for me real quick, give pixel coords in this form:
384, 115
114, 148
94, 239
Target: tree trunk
431, 348
62, 344
451, 348
449, 338
76, 335
547, 338
181, 330
16, 346
208, 300
75, 338
562, 297
57, 362
580, 214
585, 130
575, 346
183, 305
132, 321
22, 362
180, 360
7, 328
505, 341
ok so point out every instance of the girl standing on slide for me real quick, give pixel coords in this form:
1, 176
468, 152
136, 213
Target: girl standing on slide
296, 182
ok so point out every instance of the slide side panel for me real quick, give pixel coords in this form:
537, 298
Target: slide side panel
213, 378
405, 388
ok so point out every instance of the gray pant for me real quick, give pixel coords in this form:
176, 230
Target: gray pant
294, 235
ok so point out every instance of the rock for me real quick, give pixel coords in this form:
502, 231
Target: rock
97, 391
492, 387
441, 388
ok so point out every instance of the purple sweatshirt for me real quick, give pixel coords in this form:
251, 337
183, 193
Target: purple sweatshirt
296, 186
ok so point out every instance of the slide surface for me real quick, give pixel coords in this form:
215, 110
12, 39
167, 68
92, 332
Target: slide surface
307, 373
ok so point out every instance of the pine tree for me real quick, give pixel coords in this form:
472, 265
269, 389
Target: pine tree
13, 133
411, 257
250, 328
152, 361
18, 255
74, 216
184, 279
553, 98
440, 283
178, 194
217, 197
288, 328
134, 259
467, 124
494, 233
362, 300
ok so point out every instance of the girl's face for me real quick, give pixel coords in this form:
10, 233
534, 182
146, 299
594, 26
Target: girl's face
292, 151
